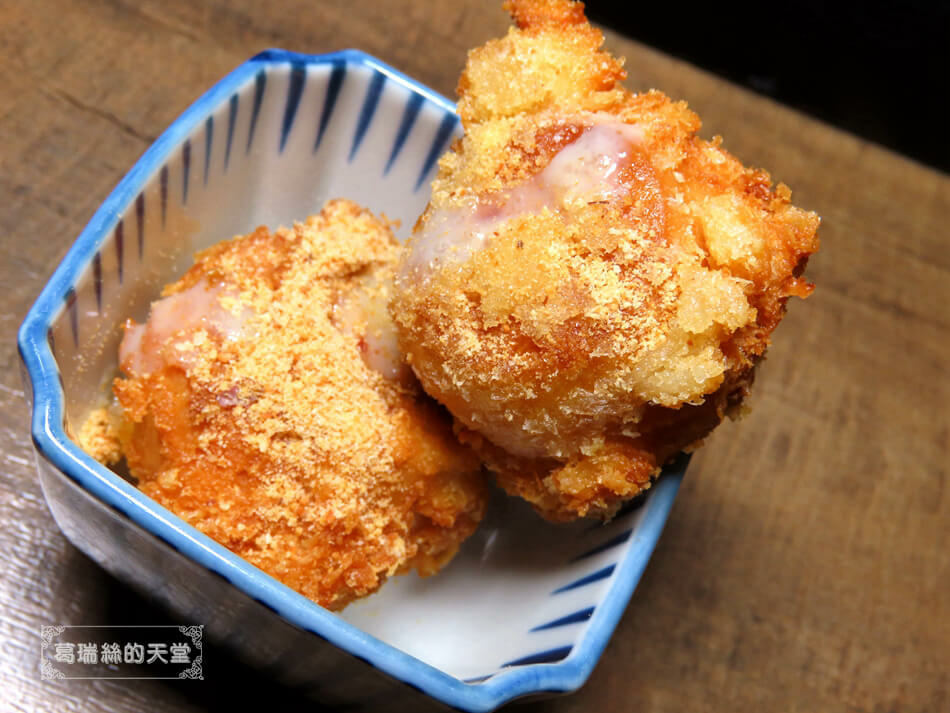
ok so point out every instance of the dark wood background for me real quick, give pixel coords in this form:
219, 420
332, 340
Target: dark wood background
805, 566
878, 68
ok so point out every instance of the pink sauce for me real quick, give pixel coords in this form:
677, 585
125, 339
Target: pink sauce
585, 171
172, 321
364, 313
177, 320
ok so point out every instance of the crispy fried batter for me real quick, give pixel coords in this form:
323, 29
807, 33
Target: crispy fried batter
255, 410
591, 286
99, 436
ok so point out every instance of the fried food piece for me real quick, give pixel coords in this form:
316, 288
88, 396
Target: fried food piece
267, 405
99, 437
591, 286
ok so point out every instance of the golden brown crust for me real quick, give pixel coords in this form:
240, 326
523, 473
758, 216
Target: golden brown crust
98, 436
276, 438
583, 341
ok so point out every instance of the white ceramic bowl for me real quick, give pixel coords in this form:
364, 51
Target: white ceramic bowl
526, 607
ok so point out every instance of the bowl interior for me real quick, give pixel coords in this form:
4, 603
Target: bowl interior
293, 133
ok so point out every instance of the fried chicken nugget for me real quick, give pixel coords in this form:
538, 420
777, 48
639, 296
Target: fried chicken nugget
266, 403
591, 286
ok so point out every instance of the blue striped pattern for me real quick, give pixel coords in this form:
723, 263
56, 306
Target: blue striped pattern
140, 222
608, 545
580, 616
414, 104
260, 84
163, 183
439, 144
408, 119
97, 280
368, 111
233, 104
119, 240
577, 617
185, 170
549, 656
338, 70
337, 75
209, 142
478, 679
73, 310
587, 579
298, 74
295, 90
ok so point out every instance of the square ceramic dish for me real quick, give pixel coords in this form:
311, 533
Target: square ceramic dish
526, 608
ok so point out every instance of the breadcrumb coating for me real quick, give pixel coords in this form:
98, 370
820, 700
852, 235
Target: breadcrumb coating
98, 436
266, 405
591, 285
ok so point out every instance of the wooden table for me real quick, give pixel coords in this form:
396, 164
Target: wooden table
805, 566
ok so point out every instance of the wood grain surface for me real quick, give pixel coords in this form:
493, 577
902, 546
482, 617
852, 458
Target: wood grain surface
805, 566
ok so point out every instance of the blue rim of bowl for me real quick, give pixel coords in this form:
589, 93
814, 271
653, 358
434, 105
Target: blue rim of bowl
50, 439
